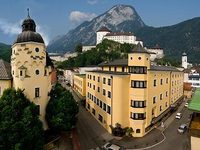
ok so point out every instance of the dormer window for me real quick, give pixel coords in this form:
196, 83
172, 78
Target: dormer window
22, 71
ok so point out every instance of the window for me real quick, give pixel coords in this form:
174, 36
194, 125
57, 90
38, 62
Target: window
93, 87
104, 92
138, 116
94, 99
98, 79
154, 82
21, 73
161, 97
108, 109
109, 81
37, 72
13, 72
115, 69
37, 49
109, 68
104, 106
88, 76
138, 104
166, 104
122, 69
137, 130
45, 72
94, 78
100, 118
101, 104
167, 80
88, 84
160, 108
138, 70
161, 81
138, 84
93, 111
109, 94
88, 106
97, 101
104, 80
154, 100
166, 93
37, 92
98, 89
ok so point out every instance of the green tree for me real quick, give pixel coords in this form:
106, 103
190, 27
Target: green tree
20, 126
62, 109
78, 48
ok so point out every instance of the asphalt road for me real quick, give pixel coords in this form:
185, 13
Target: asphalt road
174, 140
89, 131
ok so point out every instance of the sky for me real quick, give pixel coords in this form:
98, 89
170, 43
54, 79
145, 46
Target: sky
57, 17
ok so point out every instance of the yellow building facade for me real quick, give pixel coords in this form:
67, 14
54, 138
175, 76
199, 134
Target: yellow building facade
132, 92
30, 66
80, 84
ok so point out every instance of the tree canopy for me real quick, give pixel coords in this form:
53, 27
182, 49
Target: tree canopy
20, 126
62, 109
105, 51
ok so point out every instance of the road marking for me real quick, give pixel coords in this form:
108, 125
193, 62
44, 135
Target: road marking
152, 145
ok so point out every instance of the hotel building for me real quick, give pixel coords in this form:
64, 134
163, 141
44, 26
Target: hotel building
132, 92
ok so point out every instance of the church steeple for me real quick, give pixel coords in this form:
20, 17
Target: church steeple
28, 24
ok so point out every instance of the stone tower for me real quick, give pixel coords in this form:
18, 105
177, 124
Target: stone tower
31, 66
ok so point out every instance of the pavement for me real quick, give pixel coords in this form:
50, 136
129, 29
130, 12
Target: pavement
92, 135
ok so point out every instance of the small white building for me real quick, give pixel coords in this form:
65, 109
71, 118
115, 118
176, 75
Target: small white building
193, 77
156, 52
121, 37
69, 74
87, 48
60, 57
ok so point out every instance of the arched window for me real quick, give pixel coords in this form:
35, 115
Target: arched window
37, 72
137, 130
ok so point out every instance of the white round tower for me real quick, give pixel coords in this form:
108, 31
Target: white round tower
101, 33
184, 60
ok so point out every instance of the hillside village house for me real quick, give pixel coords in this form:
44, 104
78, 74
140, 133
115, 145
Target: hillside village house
31, 68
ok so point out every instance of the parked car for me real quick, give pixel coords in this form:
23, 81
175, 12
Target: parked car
178, 116
186, 104
109, 146
182, 128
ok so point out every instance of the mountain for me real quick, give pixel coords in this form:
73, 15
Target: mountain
176, 39
5, 52
119, 18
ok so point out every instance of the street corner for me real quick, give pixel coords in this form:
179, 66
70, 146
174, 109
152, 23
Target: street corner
153, 138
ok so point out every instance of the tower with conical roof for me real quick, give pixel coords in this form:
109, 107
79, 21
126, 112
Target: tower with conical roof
184, 60
30, 66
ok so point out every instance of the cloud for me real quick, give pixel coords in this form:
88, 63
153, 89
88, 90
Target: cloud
92, 2
78, 16
43, 31
12, 29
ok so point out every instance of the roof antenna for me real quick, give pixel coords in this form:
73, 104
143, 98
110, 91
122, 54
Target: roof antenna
28, 12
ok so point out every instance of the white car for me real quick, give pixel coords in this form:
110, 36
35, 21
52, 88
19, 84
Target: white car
109, 146
182, 128
178, 116
186, 104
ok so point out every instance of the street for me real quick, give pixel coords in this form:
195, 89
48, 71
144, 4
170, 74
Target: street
92, 135
174, 140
